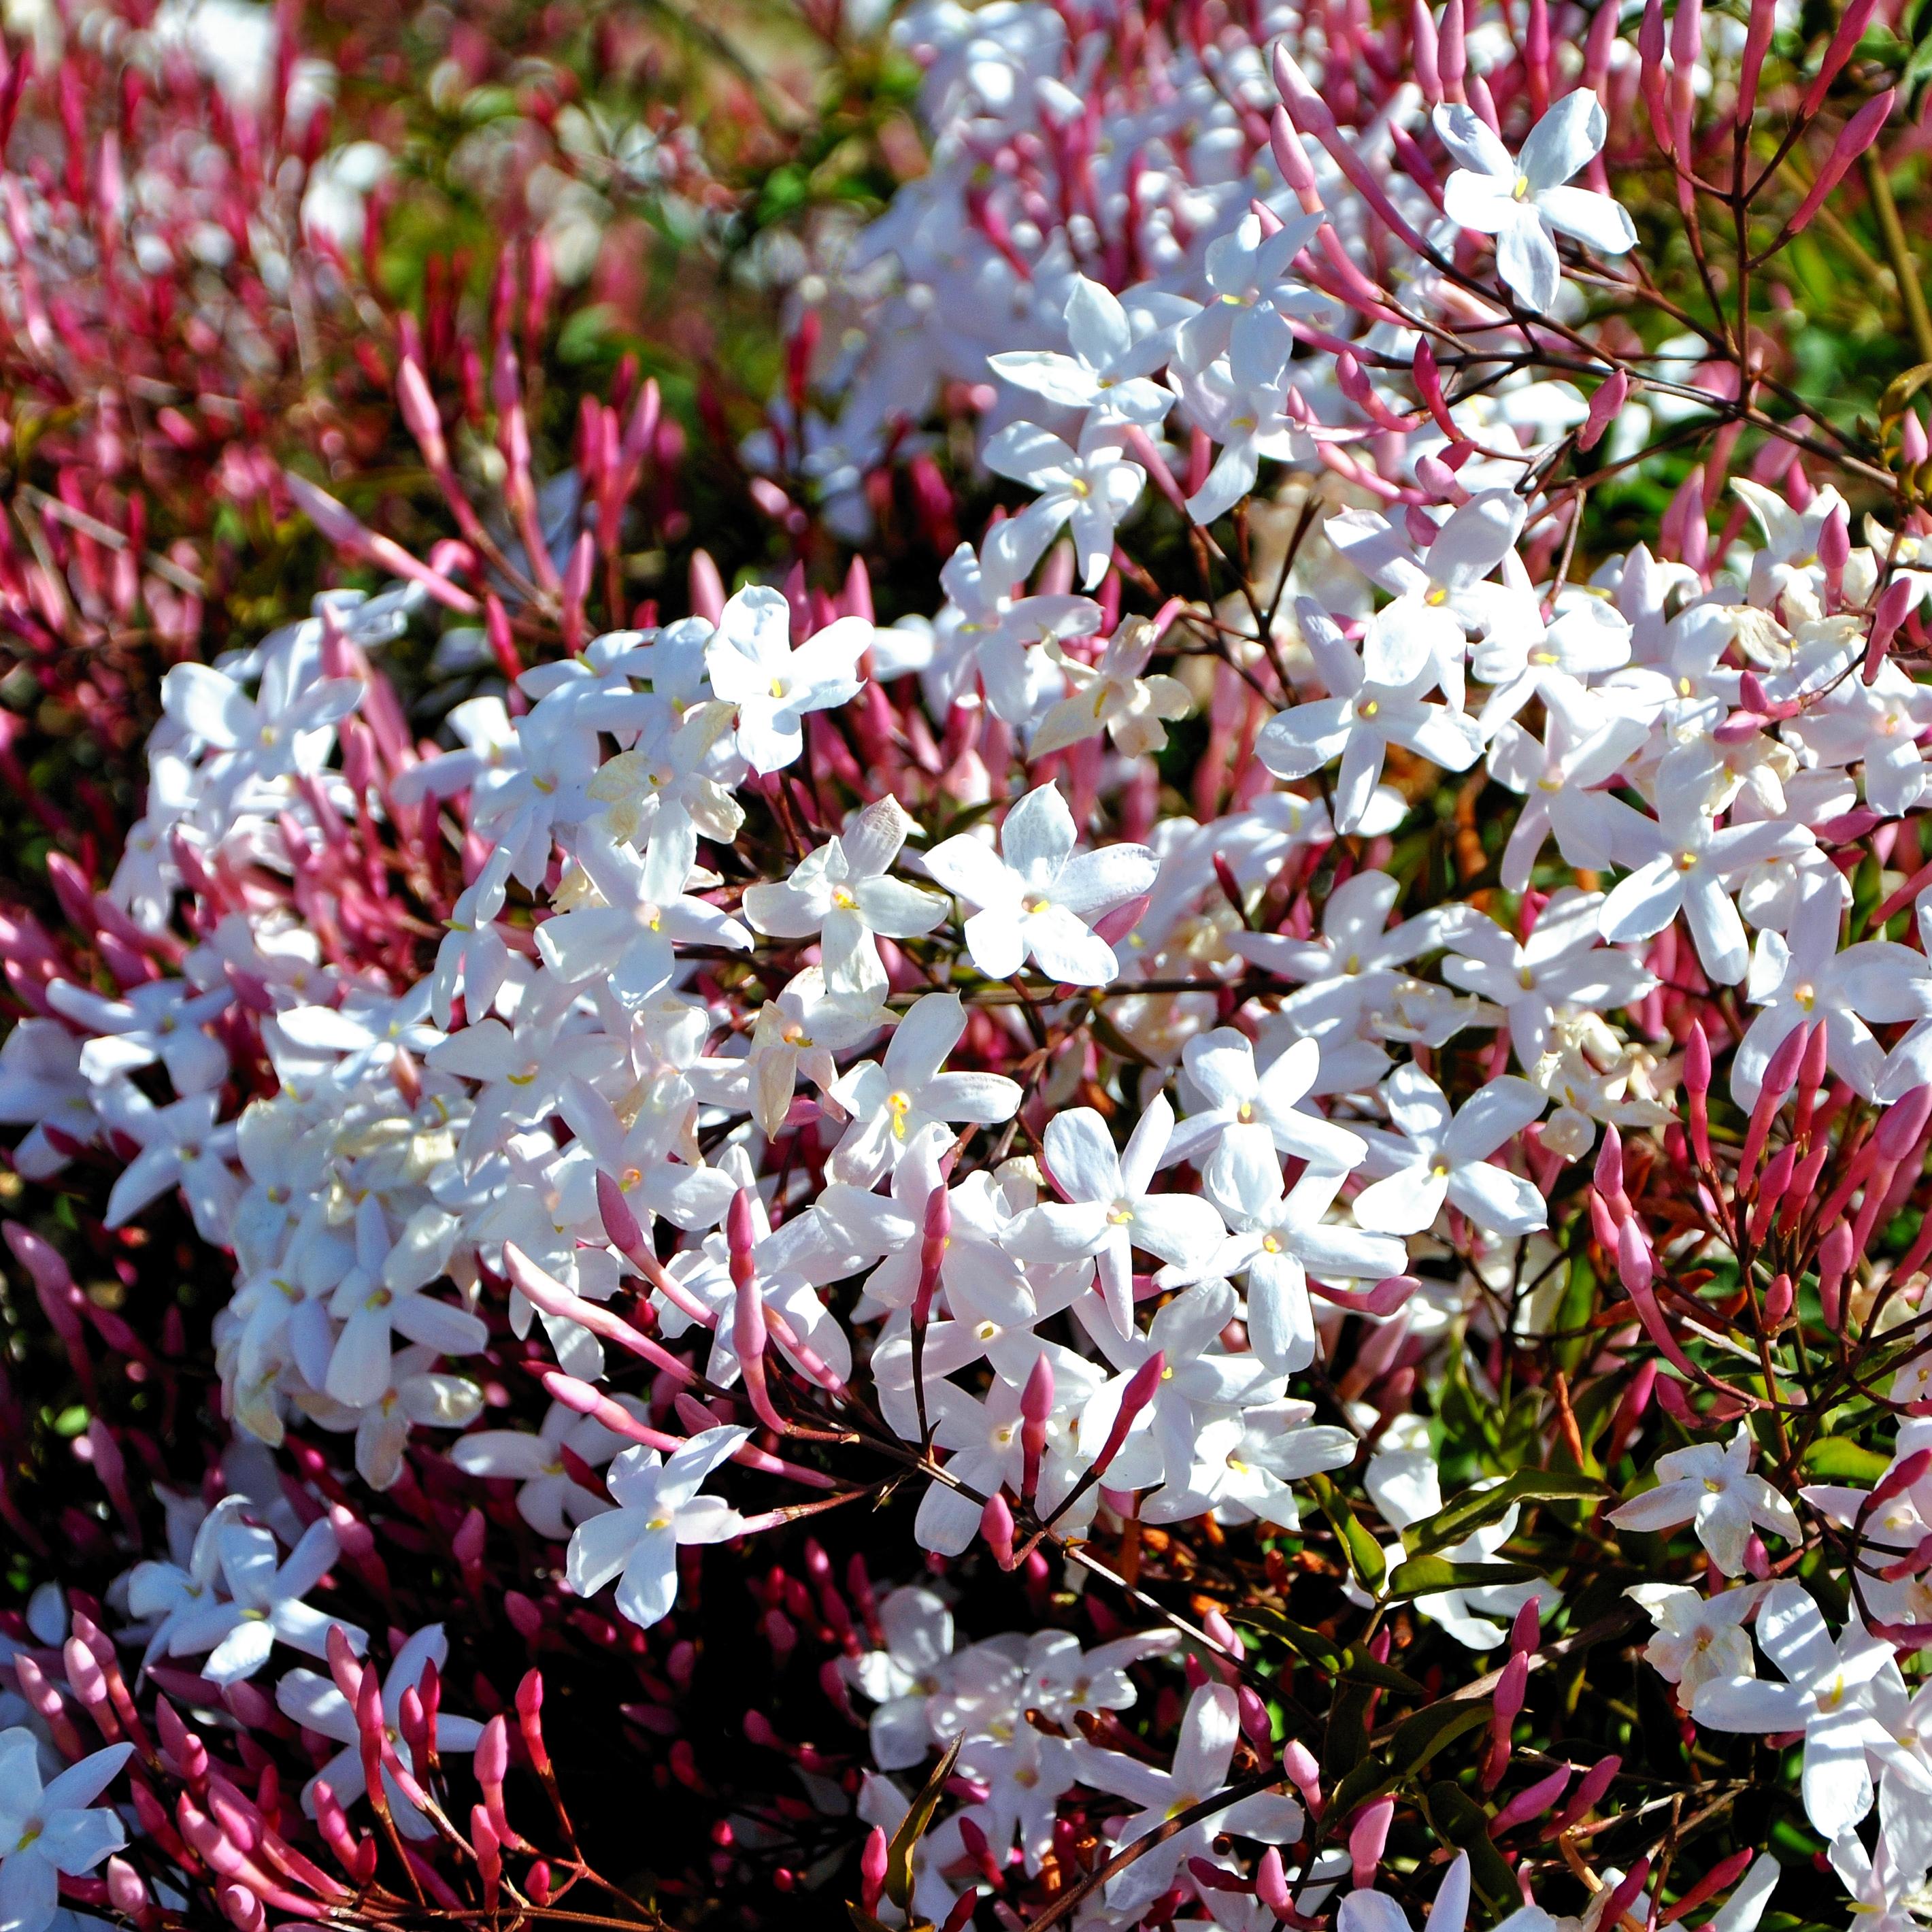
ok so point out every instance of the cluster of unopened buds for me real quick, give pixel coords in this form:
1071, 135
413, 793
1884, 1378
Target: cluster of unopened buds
747, 1071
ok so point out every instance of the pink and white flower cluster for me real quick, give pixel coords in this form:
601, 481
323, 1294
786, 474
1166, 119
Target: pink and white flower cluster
1089, 1072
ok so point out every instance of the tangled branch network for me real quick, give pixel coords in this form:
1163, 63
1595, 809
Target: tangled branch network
1309, 1103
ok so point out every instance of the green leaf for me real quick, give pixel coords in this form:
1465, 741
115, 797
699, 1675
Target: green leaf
1457, 1819
1412, 1744
1364, 1552
1572, 1317
1418, 1739
1470, 1512
1345, 1739
1347, 1662
1429, 1575
912, 1827
1305, 1642
1359, 1667
1901, 390
1368, 1781
1833, 1457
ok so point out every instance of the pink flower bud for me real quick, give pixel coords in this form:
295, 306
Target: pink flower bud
1834, 1263
241, 1908
1036, 1410
1902, 1475
1697, 1059
370, 1729
419, 414
741, 1236
937, 1232
872, 1870
1894, 602
1686, 35
1368, 1838
1780, 1073
1146, 452
1428, 381
1271, 1883
1834, 540
1852, 25
127, 1891
335, 524
1304, 1773
996, 1525
492, 1759
1224, 1634
1452, 59
1610, 1170
357, 1858
1901, 1123
1510, 1686
1137, 1394
529, 1721
1592, 1786
1114, 925
1854, 138
1757, 42
626, 1233
1720, 1877
1635, 1267
1606, 404
1290, 157
1257, 1726
707, 588
483, 1835
1531, 1803
1627, 1893
1526, 1627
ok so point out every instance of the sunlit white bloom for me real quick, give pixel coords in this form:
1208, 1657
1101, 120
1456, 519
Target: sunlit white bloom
1437, 1156
1829, 1693
1106, 1211
1114, 694
1711, 1486
1107, 374
1202, 1753
752, 665
1090, 489
49, 1831
892, 1101
1522, 200
842, 892
1698, 1638
1034, 898
1358, 721
658, 1507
